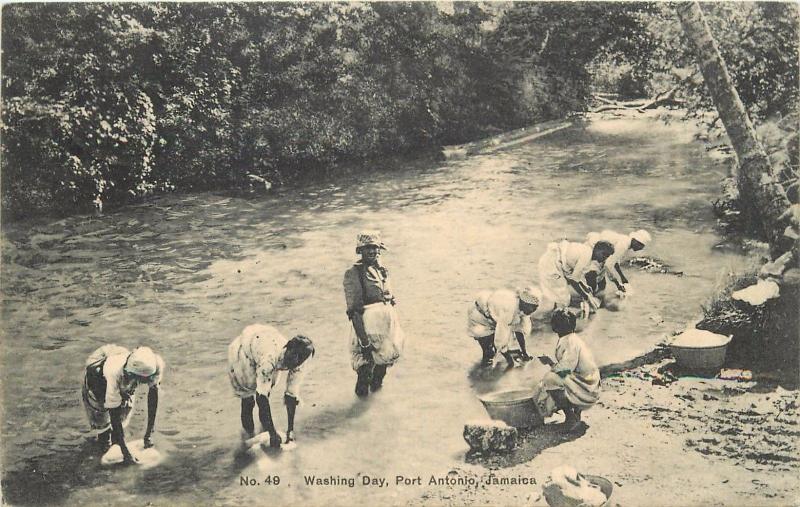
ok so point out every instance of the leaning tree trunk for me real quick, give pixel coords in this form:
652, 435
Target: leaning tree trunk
763, 198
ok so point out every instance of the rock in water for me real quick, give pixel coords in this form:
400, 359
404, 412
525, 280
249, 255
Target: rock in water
490, 436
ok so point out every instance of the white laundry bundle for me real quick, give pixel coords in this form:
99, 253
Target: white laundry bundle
147, 457
567, 488
759, 293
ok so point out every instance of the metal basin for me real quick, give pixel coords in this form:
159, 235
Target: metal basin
698, 350
514, 407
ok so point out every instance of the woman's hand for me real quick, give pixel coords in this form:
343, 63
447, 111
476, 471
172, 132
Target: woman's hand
128, 458
274, 439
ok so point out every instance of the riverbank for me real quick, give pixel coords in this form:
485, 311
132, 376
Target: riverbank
691, 442
184, 274
672, 441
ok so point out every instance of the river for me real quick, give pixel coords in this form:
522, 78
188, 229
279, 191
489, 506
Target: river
184, 274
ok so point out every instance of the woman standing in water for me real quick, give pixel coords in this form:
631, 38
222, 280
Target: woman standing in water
376, 340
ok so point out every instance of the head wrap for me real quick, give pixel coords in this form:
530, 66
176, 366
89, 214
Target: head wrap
530, 295
642, 236
142, 362
369, 238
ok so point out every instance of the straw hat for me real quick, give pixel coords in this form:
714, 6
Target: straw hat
530, 295
369, 238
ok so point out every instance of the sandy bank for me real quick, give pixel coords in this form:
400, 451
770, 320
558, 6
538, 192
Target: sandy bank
691, 442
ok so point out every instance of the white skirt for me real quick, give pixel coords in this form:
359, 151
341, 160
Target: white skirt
384, 334
583, 393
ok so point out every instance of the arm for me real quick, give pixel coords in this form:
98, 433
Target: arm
589, 302
152, 408
622, 278
118, 434
291, 406
521, 341
291, 398
577, 279
354, 295
358, 324
117, 410
567, 354
265, 416
546, 360
581, 288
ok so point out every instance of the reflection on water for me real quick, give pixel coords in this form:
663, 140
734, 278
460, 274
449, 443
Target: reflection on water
184, 274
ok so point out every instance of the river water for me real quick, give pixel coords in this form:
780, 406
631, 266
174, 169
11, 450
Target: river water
184, 274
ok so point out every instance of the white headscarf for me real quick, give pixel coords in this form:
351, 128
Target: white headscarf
642, 236
142, 362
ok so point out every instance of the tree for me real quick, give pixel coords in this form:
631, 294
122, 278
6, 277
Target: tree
766, 198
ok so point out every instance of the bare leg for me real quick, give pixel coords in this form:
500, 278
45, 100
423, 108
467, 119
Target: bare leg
377, 377
364, 378
488, 348
104, 440
572, 419
247, 415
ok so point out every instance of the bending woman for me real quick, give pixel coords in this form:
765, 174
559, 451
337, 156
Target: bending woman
567, 265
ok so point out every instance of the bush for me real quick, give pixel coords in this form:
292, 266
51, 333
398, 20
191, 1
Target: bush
90, 148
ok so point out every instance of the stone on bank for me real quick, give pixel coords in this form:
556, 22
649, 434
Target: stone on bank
488, 436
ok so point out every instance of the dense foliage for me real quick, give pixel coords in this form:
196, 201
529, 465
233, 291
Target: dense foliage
759, 42
107, 102
561, 41
104, 102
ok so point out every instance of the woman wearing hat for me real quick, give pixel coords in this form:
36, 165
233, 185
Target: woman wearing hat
110, 379
495, 316
377, 338
623, 245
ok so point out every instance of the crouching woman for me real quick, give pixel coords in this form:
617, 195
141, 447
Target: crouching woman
573, 382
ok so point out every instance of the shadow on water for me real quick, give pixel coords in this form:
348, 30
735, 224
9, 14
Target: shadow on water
531, 444
184, 474
483, 379
323, 424
49, 479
